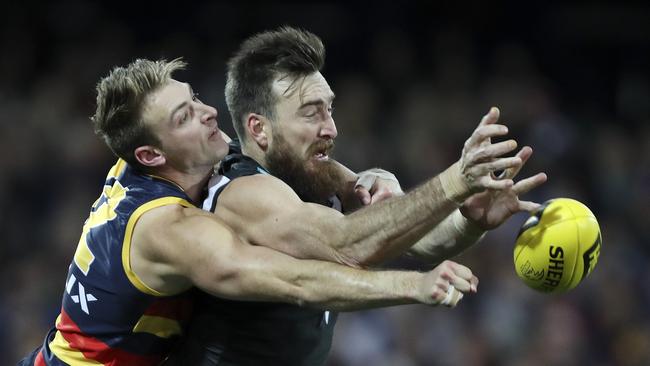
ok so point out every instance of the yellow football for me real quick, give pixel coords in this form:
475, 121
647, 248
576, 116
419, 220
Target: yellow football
558, 246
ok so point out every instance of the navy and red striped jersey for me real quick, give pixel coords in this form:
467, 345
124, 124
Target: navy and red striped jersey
108, 315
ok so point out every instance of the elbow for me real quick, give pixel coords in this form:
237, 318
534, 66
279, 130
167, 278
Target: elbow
343, 250
353, 261
347, 254
354, 258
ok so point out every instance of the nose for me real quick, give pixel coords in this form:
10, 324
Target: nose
209, 115
328, 130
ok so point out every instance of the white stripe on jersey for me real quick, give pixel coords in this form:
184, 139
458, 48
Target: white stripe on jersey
216, 182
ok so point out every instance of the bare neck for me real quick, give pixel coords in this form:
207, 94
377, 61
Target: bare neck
253, 151
192, 184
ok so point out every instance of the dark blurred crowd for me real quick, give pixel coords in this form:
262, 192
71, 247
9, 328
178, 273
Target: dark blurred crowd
412, 82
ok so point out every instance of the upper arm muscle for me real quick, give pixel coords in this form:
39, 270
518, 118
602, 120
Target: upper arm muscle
193, 247
266, 211
171, 244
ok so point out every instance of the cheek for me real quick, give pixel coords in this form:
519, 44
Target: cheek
191, 138
305, 140
300, 137
188, 142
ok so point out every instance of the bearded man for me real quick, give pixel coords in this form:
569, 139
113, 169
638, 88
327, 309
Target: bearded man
278, 190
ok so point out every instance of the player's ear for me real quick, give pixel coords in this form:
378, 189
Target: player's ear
149, 156
258, 128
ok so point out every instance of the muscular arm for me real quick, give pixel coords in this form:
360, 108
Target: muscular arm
479, 213
174, 248
265, 211
450, 237
275, 217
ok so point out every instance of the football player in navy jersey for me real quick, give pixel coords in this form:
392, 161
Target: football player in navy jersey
145, 244
279, 191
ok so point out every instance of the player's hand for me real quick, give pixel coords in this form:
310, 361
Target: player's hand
447, 283
376, 185
480, 158
491, 208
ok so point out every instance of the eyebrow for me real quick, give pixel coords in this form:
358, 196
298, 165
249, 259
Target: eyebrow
181, 105
317, 102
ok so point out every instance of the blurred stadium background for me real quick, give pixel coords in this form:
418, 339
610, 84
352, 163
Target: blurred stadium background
572, 80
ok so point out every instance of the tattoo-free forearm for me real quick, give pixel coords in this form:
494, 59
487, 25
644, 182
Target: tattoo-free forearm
262, 274
385, 230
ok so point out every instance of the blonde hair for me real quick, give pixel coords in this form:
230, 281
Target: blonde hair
120, 100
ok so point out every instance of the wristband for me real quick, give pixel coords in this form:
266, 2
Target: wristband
454, 188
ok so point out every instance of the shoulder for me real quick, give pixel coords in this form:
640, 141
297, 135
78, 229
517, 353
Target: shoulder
165, 214
170, 242
263, 198
162, 221
170, 233
253, 198
259, 187
229, 187
236, 165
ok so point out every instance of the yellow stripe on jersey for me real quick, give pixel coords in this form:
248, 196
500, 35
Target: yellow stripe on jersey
116, 172
117, 169
126, 247
102, 214
159, 326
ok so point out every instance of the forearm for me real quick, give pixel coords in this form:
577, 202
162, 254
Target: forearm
385, 230
262, 274
280, 220
195, 248
448, 239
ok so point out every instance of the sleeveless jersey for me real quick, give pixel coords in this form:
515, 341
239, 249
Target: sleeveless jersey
228, 333
108, 316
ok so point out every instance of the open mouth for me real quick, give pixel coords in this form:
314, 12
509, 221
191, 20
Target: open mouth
320, 150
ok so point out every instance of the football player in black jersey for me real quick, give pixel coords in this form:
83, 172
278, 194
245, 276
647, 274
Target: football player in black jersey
280, 192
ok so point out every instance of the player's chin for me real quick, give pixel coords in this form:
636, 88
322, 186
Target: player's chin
221, 147
317, 164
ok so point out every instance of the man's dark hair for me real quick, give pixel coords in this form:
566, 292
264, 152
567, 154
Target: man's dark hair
286, 52
120, 101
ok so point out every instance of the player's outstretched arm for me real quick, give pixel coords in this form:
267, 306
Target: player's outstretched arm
268, 213
176, 247
480, 212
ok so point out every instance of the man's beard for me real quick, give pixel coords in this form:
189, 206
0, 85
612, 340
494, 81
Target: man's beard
313, 180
